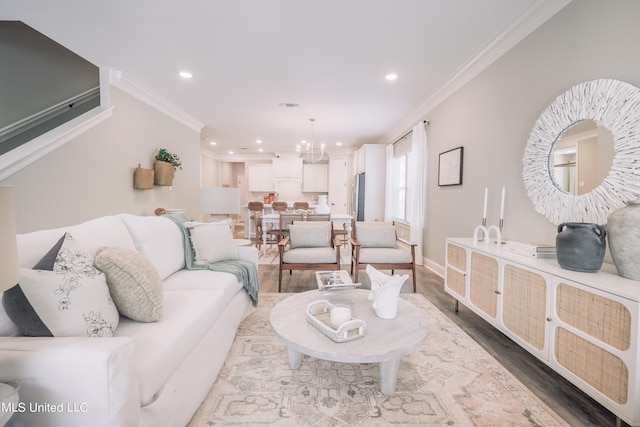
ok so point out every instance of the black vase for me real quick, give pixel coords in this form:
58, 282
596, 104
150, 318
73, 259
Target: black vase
580, 246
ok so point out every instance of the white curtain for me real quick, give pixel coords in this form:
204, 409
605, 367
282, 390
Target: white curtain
416, 187
388, 200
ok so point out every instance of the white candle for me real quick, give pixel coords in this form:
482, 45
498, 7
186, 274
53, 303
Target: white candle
486, 195
339, 315
502, 205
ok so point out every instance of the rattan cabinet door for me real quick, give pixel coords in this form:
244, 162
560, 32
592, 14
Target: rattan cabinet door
483, 283
524, 306
593, 334
456, 271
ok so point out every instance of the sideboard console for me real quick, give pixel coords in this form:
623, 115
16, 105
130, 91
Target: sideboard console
582, 325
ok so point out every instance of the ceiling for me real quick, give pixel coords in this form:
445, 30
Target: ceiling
329, 57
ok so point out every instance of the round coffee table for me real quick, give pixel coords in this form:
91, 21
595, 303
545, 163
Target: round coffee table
385, 341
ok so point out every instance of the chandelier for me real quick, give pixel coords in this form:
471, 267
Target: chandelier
312, 153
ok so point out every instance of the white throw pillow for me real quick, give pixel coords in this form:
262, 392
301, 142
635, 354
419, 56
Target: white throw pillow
213, 243
134, 283
376, 236
310, 236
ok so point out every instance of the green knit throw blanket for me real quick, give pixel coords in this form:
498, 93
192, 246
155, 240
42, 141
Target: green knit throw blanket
245, 272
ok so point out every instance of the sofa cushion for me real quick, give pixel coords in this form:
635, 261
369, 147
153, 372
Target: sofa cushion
212, 242
376, 236
134, 283
384, 255
310, 256
71, 300
159, 239
310, 236
162, 346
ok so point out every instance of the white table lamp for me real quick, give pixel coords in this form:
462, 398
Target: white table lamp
9, 273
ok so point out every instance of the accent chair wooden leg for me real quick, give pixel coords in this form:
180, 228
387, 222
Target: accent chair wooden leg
280, 279
413, 269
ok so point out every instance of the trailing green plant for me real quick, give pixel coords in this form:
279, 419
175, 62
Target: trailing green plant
166, 156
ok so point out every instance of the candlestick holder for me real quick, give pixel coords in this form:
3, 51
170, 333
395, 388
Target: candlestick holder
486, 234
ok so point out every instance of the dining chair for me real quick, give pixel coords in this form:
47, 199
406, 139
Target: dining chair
255, 216
300, 205
273, 234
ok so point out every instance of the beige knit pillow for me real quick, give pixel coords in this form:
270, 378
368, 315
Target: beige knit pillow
134, 283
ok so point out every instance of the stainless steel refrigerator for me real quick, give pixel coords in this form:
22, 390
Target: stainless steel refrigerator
358, 197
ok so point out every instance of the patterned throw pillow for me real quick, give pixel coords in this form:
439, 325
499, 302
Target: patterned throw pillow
134, 283
71, 300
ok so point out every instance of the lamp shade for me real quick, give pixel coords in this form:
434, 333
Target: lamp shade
219, 200
9, 273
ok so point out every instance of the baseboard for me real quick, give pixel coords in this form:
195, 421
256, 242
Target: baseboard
434, 266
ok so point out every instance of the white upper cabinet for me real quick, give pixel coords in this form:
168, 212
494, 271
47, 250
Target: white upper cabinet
287, 168
261, 178
315, 178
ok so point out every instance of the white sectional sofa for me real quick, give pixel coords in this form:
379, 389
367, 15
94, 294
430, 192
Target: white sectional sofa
147, 374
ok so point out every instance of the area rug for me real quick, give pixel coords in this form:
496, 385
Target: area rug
449, 381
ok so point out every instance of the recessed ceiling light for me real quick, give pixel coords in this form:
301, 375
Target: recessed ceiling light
258, 141
338, 143
185, 74
391, 76
260, 150
230, 152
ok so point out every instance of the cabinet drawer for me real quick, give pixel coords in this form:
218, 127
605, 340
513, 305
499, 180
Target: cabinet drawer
457, 257
456, 282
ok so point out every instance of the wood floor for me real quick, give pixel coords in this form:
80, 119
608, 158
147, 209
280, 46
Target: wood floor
575, 407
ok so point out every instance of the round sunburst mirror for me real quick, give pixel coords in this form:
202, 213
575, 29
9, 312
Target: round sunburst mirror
610, 104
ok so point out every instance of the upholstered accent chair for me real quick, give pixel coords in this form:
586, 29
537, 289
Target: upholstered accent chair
310, 246
376, 244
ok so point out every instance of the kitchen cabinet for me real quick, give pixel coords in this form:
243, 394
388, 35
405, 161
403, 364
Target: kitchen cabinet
287, 168
315, 178
261, 178
585, 326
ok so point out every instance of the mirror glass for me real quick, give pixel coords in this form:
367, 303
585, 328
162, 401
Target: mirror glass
581, 157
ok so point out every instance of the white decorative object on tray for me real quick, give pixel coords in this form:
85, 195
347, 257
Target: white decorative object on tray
319, 314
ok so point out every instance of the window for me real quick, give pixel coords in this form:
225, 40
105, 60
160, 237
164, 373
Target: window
399, 173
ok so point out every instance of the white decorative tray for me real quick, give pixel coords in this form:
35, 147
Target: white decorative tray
319, 315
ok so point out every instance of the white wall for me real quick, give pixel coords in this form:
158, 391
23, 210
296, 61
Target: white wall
492, 117
92, 175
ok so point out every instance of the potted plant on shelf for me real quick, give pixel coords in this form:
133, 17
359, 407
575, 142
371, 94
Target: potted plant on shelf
166, 164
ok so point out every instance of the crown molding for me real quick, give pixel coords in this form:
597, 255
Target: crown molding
537, 14
127, 84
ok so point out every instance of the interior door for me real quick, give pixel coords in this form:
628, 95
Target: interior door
339, 184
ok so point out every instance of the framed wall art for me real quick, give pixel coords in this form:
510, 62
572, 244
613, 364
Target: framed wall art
450, 167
